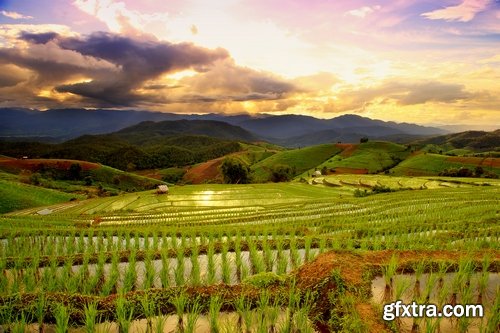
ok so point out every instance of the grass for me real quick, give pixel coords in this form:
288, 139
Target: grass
17, 196
432, 164
301, 160
371, 156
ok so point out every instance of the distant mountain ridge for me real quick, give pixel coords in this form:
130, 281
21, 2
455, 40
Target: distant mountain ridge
289, 130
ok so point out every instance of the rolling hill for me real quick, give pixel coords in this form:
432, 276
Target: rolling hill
426, 164
299, 160
470, 140
144, 146
61, 174
369, 157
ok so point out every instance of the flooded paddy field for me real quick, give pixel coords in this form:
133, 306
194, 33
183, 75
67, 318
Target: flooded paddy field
265, 258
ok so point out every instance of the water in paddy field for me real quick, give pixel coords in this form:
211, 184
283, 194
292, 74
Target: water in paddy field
406, 289
281, 262
227, 322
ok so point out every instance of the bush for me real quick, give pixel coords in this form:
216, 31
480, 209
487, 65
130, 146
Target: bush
264, 280
359, 194
35, 179
173, 175
381, 189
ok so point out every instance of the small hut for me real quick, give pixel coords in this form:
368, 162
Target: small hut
317, 173
162, 189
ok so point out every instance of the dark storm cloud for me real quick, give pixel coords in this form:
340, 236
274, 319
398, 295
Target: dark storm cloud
38, 38
138, 61
113, 66
110, 70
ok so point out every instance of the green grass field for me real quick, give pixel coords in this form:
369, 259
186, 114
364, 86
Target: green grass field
373, 156
301, 159
15, 195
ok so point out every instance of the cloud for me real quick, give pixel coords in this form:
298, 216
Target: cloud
15, 15
321, 81
102, 69
137, 60
464, 12
119, 19
363, 11
491, 60
401, 93
11, 75
38, 38
228, 81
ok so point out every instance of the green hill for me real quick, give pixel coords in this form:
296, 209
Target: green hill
299, 160
74, 176
426, 164
369, 157
470, 140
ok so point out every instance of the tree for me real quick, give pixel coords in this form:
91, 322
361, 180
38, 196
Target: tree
363, 139
479, 171
281, 173
75, 171
235, 172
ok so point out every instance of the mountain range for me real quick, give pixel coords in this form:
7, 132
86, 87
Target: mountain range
59, 125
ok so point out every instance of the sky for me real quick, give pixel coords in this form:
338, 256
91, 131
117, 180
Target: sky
419, 61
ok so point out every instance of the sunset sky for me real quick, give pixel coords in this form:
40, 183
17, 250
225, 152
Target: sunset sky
427, 62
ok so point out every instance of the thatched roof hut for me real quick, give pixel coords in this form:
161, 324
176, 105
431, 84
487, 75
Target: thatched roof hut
162, 189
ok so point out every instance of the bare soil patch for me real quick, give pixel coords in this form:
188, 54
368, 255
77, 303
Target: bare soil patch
204, 172
347, 148
345, 170
487, 162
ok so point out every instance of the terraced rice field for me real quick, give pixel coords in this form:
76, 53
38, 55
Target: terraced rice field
292, 257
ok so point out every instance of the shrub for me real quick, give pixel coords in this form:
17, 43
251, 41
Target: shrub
264, 280
381, 189
359, 194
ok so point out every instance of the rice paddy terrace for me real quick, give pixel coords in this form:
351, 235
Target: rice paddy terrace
294, 257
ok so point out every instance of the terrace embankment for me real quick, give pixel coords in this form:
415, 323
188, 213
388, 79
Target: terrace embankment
356, 270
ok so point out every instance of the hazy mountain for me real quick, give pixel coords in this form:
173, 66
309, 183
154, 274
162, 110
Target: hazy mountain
291, 130
150, 130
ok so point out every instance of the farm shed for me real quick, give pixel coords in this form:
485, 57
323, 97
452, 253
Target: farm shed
162, 189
